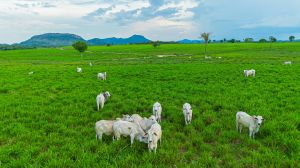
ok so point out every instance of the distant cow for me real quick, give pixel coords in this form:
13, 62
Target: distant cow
79, 70
287, 63
102, 76
252, 122
187, 112
250, 72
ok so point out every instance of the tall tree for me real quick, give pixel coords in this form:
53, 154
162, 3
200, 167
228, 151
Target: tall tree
262, 40
205, 37
80, 46
155, 44
292, 38
272, 40
248, 40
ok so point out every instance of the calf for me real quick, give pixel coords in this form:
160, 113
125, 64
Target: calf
157, 111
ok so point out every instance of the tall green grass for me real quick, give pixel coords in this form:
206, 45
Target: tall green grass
47, 119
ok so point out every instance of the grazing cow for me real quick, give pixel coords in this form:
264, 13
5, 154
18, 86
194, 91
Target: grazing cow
157, 109
144, 123
250, 72
101, 99
126, 128
287, 63
104, 127
207, 57
102, 76
136, 118
252, 122
30, 73
188, 113
90, 64
79, 70
154, 135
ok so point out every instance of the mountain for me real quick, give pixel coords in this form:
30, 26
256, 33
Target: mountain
52, 40
187, 41
135, 39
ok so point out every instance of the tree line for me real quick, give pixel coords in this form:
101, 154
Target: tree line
272, 39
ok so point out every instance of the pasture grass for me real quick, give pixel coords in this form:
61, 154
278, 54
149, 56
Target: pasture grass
47, 119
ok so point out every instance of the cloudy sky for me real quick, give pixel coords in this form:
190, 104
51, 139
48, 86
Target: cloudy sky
155, 19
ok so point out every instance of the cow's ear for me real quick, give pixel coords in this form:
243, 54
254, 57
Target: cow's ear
155, 133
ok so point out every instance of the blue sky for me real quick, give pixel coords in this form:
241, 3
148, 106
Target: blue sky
155, 19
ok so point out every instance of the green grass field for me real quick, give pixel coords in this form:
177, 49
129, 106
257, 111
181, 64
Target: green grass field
47, 119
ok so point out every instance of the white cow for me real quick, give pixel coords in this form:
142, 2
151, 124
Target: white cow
90, 64
287, 63
106, 126
30, 73
157, 109
252, 122
102, 76
207, 57
79, 70
125, 117
144, 123
136, 118
154, 135
126, 128
187, 112
101, 99
250, 72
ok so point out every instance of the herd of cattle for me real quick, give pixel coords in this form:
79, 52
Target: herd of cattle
148, 130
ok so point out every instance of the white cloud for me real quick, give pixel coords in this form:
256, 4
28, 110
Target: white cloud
48, 8
182, 8
183, 4
160, 28
110, 11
